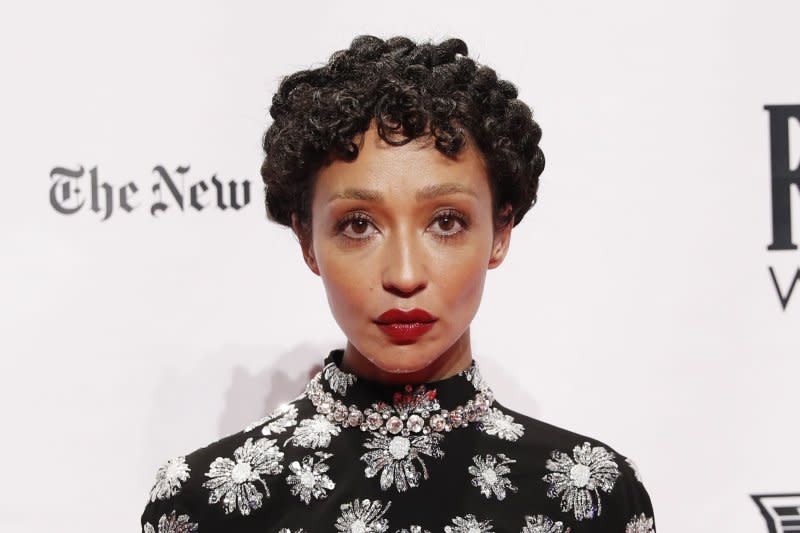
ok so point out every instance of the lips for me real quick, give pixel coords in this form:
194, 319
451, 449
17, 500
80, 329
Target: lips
393, 316
405, 326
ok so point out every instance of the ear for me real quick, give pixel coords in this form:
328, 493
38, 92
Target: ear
502, 240
306, 244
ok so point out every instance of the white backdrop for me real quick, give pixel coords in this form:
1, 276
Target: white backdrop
129, 340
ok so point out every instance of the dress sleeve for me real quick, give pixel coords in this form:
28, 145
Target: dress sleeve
170, 506
628, 508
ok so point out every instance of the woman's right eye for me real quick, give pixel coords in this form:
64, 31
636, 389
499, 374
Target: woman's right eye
356, 227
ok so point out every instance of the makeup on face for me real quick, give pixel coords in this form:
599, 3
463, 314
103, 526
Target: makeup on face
403, 325
403, 240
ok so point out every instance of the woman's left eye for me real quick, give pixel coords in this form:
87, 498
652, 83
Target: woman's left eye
450, 222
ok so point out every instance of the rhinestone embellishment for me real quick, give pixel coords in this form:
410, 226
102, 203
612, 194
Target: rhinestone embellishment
413, 411
399, 447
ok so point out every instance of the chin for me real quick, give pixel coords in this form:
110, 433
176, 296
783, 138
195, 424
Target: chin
403, 363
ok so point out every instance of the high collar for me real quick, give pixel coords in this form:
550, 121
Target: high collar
351, 389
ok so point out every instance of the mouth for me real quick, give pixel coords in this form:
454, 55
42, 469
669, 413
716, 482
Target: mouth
405, 332
405, 326
399, 316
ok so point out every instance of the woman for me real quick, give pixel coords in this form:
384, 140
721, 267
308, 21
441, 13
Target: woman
401, 168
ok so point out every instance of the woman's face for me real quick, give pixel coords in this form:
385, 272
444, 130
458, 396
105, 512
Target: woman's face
404, 227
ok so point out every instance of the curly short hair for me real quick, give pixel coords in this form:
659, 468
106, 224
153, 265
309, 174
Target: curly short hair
409, 90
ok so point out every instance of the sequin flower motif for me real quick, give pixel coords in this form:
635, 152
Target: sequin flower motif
413, 529
489, 475
233, 482
337, 378
468, 524
285, 416
393, 457
576, 478
543, 524
363, 516
309, 479
395, 446
640, 524
169, 478
315, 432
496, 422
171, 523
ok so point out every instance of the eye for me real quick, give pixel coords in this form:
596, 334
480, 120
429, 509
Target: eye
450, 222
359, 223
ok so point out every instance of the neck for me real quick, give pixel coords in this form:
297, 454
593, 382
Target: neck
455, 359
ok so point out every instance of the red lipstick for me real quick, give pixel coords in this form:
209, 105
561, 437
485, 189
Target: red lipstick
405, 325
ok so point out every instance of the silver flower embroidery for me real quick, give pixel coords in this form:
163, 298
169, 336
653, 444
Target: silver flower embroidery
413, 529
281, 418
635, 469
490, 475
576, 480
468, 524
338, 379
314, 432
309, 479
172, 523
363, 516
393, 456
543, 524
498, 423
233, 482
640, 524
169, 478
474, 376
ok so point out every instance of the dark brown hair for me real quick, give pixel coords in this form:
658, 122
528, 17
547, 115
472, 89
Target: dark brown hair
409, 90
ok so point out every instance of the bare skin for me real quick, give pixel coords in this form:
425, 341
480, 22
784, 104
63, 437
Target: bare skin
405, 251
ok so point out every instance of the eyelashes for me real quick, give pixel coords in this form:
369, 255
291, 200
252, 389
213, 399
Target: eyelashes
359, 219
350, 219
455, 216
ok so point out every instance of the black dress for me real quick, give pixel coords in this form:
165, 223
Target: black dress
350, 455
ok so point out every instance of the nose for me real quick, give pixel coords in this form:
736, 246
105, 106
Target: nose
404, 272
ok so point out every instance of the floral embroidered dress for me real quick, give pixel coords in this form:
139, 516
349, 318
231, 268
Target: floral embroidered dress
351, 455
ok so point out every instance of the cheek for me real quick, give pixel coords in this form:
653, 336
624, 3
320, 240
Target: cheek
348, 283
460, 278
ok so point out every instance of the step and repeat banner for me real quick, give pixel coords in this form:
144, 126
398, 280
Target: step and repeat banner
650, 299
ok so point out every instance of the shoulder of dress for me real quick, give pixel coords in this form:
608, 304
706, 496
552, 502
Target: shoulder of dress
265, 433
185, 485
601, 488
619, 500
546, 435
172, 503
177, 494
276, 426
552, 440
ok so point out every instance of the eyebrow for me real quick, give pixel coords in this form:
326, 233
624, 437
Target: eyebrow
426, 193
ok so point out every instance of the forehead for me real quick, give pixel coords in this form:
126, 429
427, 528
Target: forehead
402, 170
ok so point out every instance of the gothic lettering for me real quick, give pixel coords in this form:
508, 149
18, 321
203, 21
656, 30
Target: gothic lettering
783, 175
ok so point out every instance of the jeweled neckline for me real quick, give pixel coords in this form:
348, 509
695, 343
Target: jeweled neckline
363, 392
414, 412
